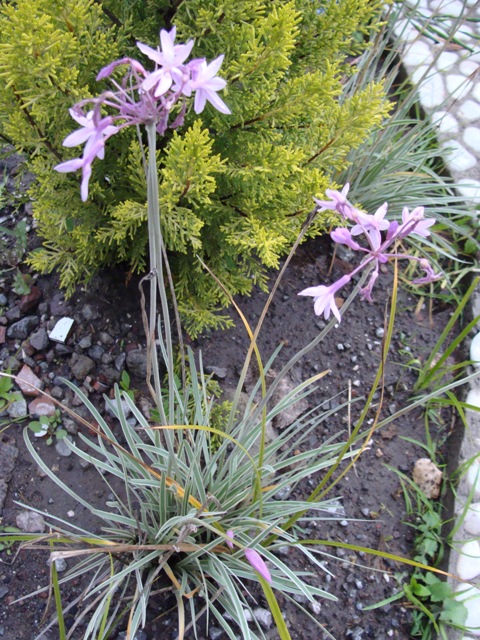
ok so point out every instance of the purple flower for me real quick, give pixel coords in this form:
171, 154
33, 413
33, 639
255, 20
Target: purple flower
107, 71
257, 562
93, 148
339, 203
143, 98
366, 292
92, 128
374, 224
430, 275
324, 297
377, 251
205, 83
170, 60
230, 536
94, 132
415, 223
344, 236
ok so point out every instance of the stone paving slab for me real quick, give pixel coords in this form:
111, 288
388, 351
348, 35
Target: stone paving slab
448, 81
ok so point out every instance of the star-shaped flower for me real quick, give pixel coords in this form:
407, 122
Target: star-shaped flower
170, 60
205, 83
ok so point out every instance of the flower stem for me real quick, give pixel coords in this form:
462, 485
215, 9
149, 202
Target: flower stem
157, 284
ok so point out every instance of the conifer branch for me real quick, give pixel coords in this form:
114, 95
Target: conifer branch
319, 153
43, 137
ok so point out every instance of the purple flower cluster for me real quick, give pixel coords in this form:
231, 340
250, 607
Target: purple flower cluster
377, 249
143, 97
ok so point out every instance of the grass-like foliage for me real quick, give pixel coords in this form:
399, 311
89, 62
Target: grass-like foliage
175, 537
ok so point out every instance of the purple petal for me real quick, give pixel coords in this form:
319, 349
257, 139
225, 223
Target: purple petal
164, 84
87, 172
392, 230
69, 165
257, 562
153, 54
200, 101
213, 67
77, 137
167, 39
108, 70
217, 102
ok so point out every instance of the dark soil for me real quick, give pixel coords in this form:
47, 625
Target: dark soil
373, 512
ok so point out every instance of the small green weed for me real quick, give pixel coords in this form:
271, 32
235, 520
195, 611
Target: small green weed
22, 283
49, 427
125, 385
7, 396
6, 544
11, 252
434, 605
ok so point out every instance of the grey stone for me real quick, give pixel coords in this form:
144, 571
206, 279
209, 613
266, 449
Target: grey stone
18, 409
90, 313
8, 456
263, 617
3, 300
120, 361
30, 522
13, 364
112, 375
283, 493
96, 352
57, 392
39, 340
70, 426
3, 493
62, 448
81, 366
3, 591
60, 564
22, 329
137, 363
111, 408
291, 413
58, 307
85, 342
63, 350
215, 633
106, 338
356, 633
218, 372
315, 607
13, 314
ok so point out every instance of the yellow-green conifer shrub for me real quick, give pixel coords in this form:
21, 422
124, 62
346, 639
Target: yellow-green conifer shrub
235, 189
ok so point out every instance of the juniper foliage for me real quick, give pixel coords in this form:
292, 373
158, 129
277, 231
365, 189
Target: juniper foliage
234, 190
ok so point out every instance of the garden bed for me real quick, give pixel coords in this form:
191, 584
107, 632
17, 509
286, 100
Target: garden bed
370, 511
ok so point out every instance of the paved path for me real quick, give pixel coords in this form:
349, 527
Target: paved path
449, 90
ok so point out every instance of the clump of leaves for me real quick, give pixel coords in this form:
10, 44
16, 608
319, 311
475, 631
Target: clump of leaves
433, 598
7, 396
49, 427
